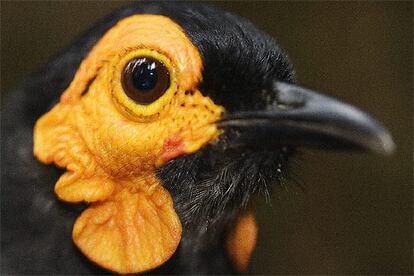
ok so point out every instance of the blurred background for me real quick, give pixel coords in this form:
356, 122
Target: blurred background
355, 212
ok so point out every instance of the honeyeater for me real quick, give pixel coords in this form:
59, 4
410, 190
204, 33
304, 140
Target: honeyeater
139, 147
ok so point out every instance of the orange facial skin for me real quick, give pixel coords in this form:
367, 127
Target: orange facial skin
241, 241
111, 146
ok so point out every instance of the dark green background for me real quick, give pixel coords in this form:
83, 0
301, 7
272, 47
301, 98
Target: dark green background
355, 214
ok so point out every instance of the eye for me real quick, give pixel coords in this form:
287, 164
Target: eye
144, 82
145, 79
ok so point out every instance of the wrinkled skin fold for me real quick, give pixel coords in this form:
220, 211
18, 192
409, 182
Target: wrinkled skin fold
180, 171
110, 153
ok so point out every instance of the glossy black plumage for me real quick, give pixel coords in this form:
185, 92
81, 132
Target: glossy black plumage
36, 227
244, 70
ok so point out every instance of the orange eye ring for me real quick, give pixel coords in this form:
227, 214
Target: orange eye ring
144, 84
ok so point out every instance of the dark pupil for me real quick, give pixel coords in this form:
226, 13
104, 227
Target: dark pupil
145, 80
145, 76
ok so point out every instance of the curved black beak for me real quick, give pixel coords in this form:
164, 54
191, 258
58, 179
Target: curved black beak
301, 117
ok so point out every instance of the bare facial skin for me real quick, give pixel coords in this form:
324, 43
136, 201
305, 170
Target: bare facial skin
110, 145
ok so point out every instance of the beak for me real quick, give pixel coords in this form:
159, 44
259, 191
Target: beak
301, 117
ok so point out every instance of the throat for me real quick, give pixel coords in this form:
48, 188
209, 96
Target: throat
203, 252
211, 187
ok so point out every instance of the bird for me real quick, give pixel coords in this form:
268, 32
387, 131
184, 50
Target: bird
139, 147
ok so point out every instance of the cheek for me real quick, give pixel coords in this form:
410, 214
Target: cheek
123, 147
120, 146
132, 148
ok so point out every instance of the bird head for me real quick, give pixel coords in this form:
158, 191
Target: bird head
173, 112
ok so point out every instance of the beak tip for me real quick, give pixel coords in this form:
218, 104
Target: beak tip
388, 147
384, 144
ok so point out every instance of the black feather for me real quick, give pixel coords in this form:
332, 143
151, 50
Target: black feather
212, 185
208, 189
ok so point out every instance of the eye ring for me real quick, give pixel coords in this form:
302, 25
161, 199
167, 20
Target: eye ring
143, 101
145, 79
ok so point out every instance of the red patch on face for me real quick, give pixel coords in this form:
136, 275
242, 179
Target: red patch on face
173, 147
